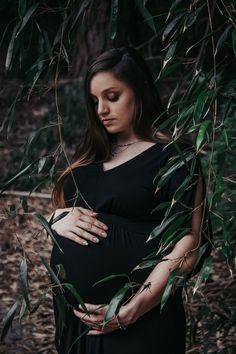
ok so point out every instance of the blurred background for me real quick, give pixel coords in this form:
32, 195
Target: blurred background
190, 47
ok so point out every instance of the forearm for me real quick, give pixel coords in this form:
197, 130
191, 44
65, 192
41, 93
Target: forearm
183, 256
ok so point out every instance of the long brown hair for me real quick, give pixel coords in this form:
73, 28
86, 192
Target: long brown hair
128, 66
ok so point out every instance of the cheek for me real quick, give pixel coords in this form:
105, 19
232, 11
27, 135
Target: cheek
127, 108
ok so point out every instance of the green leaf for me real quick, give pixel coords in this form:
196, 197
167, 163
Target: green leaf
111, 277
24, 282
204, 273
61, 309
115, 303
160, 228
50, 271
61, 271
173, 228
10, 50
77, 296
47, 227
78, 338
171, 25
7, 321
168, 288
222, 39
39, 302
201, 133
113, 19
21, 8
18, 175
234, 41
199, 106
169, 54
26, 18
22, 309
41, 163
146, 15
24, 203
11, 112
191, 17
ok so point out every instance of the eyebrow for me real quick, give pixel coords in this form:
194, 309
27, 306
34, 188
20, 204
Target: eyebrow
105, 90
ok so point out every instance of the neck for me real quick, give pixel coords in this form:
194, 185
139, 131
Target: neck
125, 138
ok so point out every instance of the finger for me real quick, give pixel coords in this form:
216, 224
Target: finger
92, 308
74, 237
84, 234
93, 221
88, 211
91, 227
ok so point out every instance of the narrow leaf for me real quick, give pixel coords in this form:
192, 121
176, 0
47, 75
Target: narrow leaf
26, 18
168, 288
39, 301
113, 19
47, 227
146, 14
50, 271
234, 41
24, 282
7, 321
77, 296
171, 25
10, 49
111, 277
222, 39
201, 133
204, 274
115, 303
160, 228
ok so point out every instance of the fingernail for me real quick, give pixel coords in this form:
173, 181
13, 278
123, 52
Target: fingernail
104, 234
85, 243
96, 240
105, 227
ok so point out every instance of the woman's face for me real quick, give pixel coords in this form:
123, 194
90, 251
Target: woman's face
114, 102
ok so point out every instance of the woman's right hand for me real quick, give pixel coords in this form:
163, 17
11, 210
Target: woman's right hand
79, 225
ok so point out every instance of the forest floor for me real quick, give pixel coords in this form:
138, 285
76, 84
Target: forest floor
210, 312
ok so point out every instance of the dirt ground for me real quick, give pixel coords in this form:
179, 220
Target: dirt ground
211, 312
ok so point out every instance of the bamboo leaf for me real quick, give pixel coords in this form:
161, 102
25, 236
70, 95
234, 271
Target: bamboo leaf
169, 54
204, 273
168, 288
39, 301
24, 203
199, 106
171, 26
146, 14
222, 39
18, 175
160, 228
24, 282
10, 50
77, 296
234, 41
41, 163
61, 309
201, 133
191, 17
7, 321
50, 271
111, 277
61, 271
115, 303
21, 8
22, 309
113, 19
47, 227
26, 18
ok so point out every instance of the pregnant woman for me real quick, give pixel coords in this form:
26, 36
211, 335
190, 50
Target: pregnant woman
111, 195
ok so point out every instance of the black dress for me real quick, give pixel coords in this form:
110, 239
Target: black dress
124, 197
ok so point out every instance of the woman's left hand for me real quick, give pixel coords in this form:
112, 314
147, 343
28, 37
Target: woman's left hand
95, 318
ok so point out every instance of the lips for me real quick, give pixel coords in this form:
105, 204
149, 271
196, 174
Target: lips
107, 120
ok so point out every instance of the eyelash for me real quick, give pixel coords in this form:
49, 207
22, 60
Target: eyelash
111, 99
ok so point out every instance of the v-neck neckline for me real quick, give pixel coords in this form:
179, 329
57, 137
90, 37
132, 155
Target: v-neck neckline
127, 161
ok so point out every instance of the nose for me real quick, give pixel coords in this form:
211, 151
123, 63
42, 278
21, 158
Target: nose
102, 108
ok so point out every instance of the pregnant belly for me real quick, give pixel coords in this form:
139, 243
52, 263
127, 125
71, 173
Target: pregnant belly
119, 253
